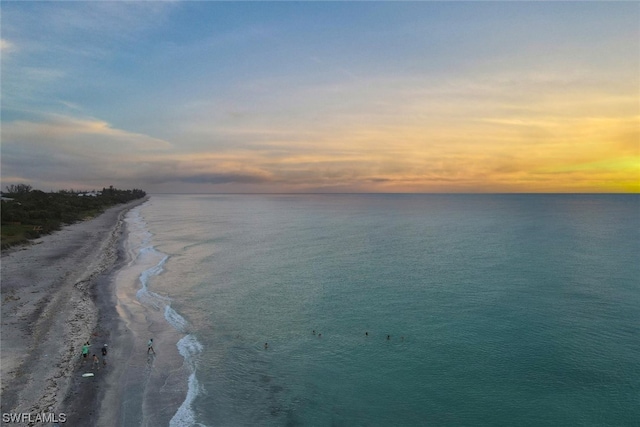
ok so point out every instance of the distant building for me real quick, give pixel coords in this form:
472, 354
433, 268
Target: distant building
90, 194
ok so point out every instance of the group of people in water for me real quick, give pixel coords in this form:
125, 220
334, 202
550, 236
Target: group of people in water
366, 334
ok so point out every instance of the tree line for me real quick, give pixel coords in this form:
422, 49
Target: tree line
28, 213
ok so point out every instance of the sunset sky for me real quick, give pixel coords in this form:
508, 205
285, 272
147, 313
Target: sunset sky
321, 96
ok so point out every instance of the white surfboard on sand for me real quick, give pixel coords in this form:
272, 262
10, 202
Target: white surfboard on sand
88, 374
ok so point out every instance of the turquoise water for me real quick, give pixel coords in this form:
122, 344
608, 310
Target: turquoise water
479, 309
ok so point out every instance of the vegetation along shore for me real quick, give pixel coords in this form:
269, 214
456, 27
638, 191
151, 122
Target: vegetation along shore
28, 213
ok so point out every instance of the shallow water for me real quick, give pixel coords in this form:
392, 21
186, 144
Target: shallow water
479, 309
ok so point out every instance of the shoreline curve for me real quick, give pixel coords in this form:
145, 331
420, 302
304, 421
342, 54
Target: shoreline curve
56, 295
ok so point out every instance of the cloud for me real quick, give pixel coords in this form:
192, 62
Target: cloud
241, 107
69, 134
95, 20
6, 46
64, 148
91, 153
221, 178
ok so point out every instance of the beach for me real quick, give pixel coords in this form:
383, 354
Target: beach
57, 295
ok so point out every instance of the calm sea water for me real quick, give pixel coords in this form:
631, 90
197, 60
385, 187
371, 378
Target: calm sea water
427, 309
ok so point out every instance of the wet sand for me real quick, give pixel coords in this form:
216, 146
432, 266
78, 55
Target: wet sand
58, 293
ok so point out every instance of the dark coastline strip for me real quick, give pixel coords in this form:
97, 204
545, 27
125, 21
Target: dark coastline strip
83, 401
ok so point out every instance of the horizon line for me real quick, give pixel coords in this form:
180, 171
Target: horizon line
395, 193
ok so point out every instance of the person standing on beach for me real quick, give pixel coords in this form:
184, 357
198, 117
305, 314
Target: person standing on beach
85, 351
150, 346
104, 355
96, 362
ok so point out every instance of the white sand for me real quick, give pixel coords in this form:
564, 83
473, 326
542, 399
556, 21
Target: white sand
48, 311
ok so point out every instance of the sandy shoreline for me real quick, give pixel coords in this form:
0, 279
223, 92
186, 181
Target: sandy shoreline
57, 294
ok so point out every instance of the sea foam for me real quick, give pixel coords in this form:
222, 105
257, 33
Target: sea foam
185, 416
188, 347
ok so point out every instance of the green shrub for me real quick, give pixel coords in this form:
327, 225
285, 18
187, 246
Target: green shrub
32, 213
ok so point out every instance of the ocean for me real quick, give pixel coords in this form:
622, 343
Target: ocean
389, 310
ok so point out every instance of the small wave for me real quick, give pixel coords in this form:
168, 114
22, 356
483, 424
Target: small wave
153, 271
139, 235
144, 295
151, 299
188, 346
175, 320
185, 417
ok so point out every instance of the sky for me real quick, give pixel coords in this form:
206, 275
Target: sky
297, 97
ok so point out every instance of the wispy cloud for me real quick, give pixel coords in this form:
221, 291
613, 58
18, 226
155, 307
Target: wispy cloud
217, 96
81, 147
6, 46
64, 131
